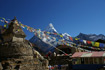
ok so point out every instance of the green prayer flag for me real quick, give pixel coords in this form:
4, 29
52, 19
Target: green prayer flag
92, 43
3, 18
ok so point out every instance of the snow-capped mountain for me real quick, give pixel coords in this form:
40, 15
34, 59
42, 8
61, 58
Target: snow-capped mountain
51, 28
91, 37
48, 43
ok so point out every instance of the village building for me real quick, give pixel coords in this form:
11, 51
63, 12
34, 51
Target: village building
88, 60
63, 59
67, 49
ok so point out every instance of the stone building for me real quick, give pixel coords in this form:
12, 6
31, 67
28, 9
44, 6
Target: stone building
66, 49
14, 32
16, 53
59, 58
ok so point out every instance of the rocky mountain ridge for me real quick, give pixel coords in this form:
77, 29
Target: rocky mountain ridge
91, 37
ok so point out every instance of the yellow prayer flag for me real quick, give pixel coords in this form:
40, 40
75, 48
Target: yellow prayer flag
4, 25
76, 38
98, 48
67, 44
96, 44
21, 24
18, 29
61, 35
48, 32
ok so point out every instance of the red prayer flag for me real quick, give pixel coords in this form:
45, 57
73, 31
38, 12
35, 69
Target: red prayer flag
55, 33
47, 55
66, 54
70, 38
88, 42
52, 67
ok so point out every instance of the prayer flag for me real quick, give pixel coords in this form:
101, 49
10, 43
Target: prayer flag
4, 25
66, 54
61, 35
55, 33
18, 29
58, 34
3, 18
96, 44
48, 32
92, 43
84, 41
88, 42
101, 45
70, 38
76, 38
81, 41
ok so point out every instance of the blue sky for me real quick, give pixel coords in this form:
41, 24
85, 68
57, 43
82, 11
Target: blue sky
71, 16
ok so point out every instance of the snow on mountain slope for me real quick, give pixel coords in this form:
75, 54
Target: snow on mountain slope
65, 34
41, 44
50, 42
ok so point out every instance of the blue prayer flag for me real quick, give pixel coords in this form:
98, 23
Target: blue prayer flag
101, 45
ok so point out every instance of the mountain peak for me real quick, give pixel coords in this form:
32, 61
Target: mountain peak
101, 35
51, 25
51, 28
65, 34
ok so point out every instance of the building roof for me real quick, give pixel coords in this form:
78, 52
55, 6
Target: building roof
88, 54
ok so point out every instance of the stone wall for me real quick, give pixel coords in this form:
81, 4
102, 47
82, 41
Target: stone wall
60, 60
12, 49
21, 56
14, 64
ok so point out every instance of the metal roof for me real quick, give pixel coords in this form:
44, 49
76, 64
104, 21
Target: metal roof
88, 54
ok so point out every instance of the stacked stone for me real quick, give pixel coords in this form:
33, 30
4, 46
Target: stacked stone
16, 53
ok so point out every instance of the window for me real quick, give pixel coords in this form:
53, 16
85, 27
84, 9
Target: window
96, 60
86, 61
100, 61
90, 60
82, 60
